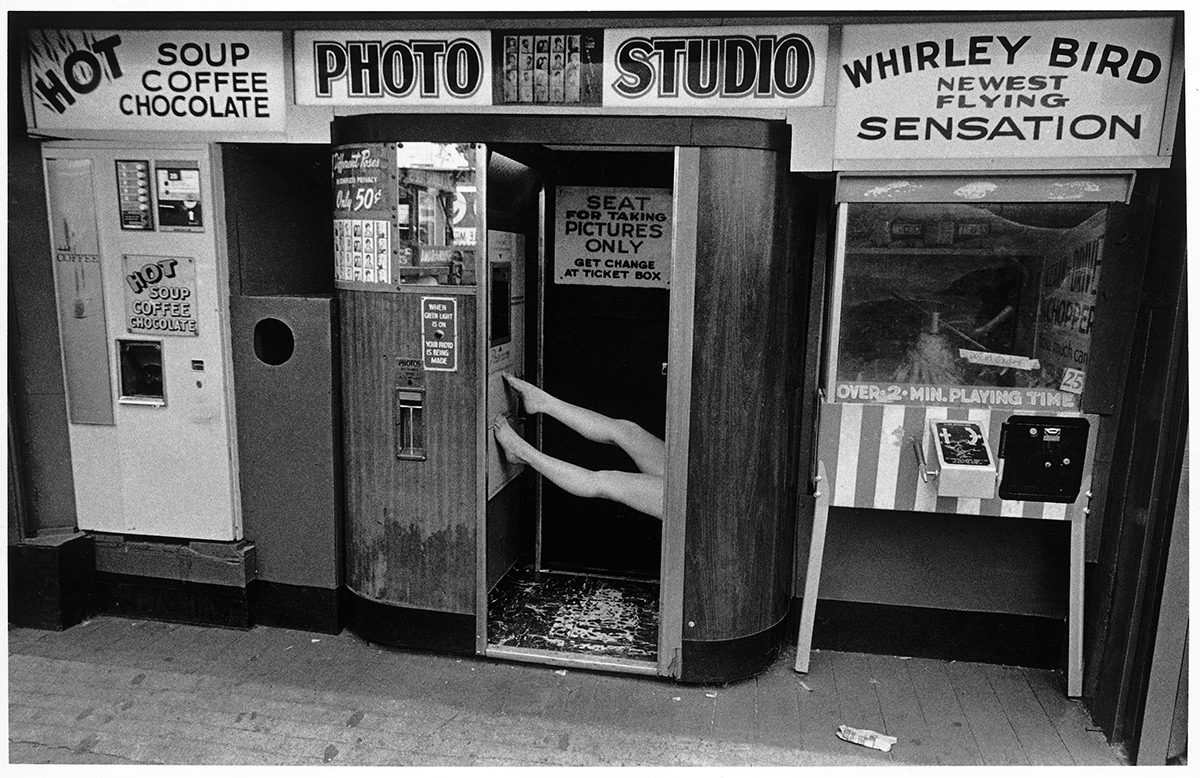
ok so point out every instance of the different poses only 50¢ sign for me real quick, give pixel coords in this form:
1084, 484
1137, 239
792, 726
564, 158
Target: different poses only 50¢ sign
613, 236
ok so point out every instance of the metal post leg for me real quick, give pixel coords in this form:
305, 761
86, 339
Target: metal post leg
1075, 604
812, 579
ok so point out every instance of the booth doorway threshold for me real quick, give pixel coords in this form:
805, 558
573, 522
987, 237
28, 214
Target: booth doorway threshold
578, 620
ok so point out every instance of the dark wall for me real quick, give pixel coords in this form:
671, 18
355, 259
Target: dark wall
1125, 585
949, 562
279, 222
36, 388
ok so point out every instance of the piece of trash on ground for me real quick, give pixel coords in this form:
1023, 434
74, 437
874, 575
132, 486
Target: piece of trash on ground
316, 640
866, 737
560, 672
805, 686
676, 699
711, 695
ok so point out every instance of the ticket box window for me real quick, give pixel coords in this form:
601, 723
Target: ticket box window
956, 294
141, 372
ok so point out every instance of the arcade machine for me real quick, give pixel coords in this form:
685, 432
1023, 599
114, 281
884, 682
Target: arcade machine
469, 247
961, 319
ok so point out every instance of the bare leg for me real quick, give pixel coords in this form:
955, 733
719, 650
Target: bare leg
647, 451
640, 491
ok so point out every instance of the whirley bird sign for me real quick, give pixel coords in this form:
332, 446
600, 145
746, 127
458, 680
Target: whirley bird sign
613, 236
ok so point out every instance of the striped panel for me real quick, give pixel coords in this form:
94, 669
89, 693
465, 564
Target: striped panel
869, 459
850, 441
892, 444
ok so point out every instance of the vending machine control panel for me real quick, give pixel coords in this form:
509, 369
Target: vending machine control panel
1043, 457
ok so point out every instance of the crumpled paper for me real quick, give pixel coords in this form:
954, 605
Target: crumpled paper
866, 737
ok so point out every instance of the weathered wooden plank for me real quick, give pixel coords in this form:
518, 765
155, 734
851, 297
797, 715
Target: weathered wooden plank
777, 710
993, 733
1041, 741
857, 700
952, 742
820, 713
901, 712
1070, 720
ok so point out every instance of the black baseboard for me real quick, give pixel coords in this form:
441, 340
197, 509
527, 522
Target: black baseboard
995, 638
50, 582
392, 625
307, 608
725, 661
165, 599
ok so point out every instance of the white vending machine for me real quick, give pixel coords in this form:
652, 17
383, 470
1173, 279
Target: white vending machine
142, 299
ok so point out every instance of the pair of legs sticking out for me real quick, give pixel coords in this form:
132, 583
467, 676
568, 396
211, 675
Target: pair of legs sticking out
641, 491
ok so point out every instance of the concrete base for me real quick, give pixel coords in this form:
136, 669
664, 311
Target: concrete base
196, 582
50, 581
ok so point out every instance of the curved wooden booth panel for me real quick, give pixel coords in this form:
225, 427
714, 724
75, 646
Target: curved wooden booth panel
745, 369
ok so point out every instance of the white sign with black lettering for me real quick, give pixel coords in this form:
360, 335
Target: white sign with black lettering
1083, 88
390, 67
613, 236
207, 81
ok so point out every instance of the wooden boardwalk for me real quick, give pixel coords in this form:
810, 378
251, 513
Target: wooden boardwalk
119, 691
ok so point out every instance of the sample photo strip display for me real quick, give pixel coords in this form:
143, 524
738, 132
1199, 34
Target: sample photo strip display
548, 67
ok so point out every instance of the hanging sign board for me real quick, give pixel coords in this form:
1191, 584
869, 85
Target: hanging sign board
725, 67
193, 80
382, 68
1084, 88
613, 236
762, 67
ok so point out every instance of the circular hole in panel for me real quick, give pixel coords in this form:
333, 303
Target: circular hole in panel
273, 341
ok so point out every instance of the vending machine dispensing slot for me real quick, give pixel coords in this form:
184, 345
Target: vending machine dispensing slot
141, 372
410, 424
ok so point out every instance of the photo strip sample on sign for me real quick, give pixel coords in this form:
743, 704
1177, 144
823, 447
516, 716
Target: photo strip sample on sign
559, 67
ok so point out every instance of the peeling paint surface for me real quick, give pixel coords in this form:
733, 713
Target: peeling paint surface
575, 613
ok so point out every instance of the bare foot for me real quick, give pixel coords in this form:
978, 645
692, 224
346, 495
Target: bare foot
512, 444
533, 399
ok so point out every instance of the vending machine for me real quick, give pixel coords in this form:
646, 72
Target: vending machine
142, 306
